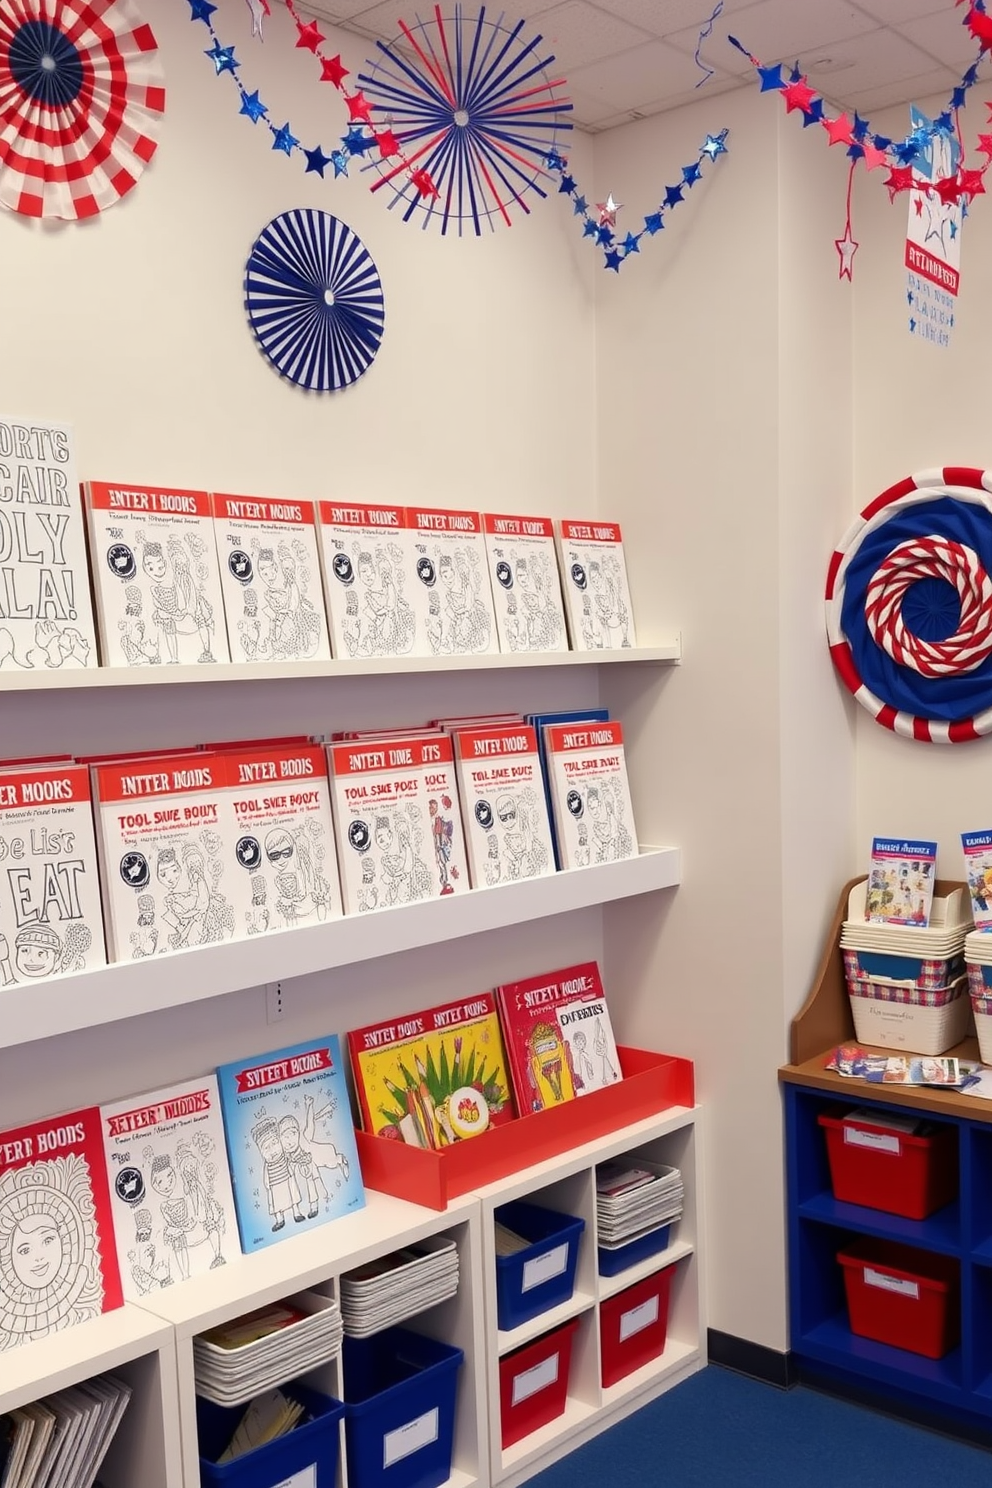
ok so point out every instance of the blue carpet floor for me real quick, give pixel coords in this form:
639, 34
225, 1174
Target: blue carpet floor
722, 1430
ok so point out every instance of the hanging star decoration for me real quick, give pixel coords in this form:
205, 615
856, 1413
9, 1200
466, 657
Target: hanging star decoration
359, 138
863, 144
600, 225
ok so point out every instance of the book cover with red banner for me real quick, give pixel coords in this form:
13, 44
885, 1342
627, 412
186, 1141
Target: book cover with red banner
156, 578
523, 571
51, 920
170, 1187
58, 1262
270, 577
166, 863
504, 808
367, 556
586, 772
434, 1077
559, 1037
290, 1141
452, 595
594, 585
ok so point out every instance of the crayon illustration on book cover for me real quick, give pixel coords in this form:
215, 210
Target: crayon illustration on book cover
46, 617
977, 847
435, 1077
526, 589
454, 598
290, 1141
58, 1264
901, 877
368, 574
170, 1188
155, 576
559, 1036
270, 576
594, 583
51, 920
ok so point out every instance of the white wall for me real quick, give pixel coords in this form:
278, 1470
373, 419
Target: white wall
918, 407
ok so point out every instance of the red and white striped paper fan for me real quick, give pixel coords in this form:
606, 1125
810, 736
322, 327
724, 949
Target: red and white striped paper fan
81, 99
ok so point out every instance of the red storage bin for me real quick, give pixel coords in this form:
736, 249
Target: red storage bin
633, 1326
533, 1383
902, 1296
885, 1167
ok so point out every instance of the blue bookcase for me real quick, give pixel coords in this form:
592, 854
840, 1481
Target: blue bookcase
955, 1391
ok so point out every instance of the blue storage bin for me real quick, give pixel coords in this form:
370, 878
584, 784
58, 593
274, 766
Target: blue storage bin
612, 1262
399, 1411
314, 1444
543, 1275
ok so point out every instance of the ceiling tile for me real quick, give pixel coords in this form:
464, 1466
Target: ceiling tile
662, 17
894, 12
579, 33
774, 30
588, 111
643, 75
880, 58
885, 95
946, 40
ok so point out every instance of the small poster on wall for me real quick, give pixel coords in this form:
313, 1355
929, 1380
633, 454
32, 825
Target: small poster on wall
933, 236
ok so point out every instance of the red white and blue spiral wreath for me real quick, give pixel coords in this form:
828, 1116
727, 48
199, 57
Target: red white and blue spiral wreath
909, 606
81, 98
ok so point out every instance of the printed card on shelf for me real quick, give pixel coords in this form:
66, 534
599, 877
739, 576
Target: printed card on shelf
523, 571
276, 823
558, 1035
434, 1077
590, 794
46, 618
397, 822
58, 1262
367, 556
977, 847
452, 594
165, 864
51, 921
270, 577
504, 809
290, 1141
900, 881
155, 576
594, 583
170, 1188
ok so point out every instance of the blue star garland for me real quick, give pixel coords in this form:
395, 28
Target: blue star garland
616, 253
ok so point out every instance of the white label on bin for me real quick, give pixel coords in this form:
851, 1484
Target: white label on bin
892, 1284
305, 1479
638, 1318
878, 1141
527, 1384
409, 1438
542, 1268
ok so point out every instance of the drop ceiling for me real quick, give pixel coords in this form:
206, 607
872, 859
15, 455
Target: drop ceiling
625, 59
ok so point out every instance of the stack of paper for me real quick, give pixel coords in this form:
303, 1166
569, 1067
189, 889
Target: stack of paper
61, 1441
632, 1199
268, 1417
396, 1286
265, 1348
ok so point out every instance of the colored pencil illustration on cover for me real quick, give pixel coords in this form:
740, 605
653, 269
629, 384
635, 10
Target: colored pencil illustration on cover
155, 576
559, 1037
368, 577
977, 848
170, 1189
290, 1141
454, 599
51, 922
526, 590
900, 881
46, 618
270, 576
57, 1260
434, 1077
594, 583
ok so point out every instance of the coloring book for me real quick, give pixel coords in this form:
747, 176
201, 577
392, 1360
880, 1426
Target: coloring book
504, 809
594, 583
270, 577
523, 571
558, 1035
590, 795
452, 594
367, 554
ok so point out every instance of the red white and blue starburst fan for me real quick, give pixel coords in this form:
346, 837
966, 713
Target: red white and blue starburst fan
475, 107
81, 98
314, 300
909, 606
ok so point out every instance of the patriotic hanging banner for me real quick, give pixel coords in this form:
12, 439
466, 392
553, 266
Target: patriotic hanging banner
933, 236
909, 606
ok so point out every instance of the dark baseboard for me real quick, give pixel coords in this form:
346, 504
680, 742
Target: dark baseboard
754, 1359
959, 1426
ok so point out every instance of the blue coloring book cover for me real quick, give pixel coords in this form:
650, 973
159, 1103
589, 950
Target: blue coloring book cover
290, 1141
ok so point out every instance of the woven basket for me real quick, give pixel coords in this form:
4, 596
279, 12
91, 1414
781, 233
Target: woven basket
909, 1027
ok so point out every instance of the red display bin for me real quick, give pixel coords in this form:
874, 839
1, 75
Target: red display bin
633, 1326
533, 1383
902, 1296
881, 1167
651, 1083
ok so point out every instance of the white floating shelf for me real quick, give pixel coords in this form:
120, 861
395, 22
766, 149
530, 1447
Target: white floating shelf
669, 653
132, 987
65, 1358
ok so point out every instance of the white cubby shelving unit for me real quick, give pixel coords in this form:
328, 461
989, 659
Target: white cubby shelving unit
124, 1029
